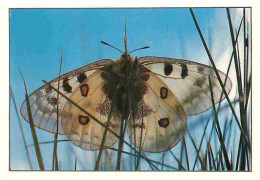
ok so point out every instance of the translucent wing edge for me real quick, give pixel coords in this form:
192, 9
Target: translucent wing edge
92, 66
154, 59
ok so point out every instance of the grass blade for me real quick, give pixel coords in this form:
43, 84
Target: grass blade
197, 151
241, 95
211, 157
227, 73
149, 161
221, 160
245, 52
238, 155
231, 160
163, 156
140, 144
21, 127
35, 139
76, 162
178, 161
186, 154
249, 85
218, 163
104, 138
201, 141
113, 149
55, 156
205, 160
222, 143
248, 161
120, 144
181, 152
217, 74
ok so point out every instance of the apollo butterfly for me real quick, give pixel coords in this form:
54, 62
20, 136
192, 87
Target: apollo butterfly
153, 94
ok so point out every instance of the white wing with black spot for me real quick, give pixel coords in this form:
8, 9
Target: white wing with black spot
188, 81
43, 101
162, 124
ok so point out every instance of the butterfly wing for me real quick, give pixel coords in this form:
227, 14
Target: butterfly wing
43, 100
188, 81
160, 122
81, 129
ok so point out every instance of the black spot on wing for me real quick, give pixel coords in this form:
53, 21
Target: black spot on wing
81, 77
66, 86
167, 68
184, 70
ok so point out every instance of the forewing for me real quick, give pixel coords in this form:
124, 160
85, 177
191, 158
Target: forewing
188, 81
82, 130
43, 100
161, 121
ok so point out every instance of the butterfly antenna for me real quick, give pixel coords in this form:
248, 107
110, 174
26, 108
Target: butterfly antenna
145, 47
125, 39
103, 42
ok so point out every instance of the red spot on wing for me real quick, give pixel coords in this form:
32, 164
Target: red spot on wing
164, 122
84, 89
164, 92
83, 120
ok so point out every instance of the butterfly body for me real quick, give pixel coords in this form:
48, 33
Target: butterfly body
124, 84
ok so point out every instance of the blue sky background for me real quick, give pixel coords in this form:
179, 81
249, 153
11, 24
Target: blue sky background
37, 37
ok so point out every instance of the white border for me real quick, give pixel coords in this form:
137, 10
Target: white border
4, 59
120, 3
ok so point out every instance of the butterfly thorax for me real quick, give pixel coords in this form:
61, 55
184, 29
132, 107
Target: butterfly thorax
124, 84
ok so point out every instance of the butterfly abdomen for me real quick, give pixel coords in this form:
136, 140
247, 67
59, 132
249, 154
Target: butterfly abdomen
125, 81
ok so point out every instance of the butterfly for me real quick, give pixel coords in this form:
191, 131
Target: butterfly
154, 95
